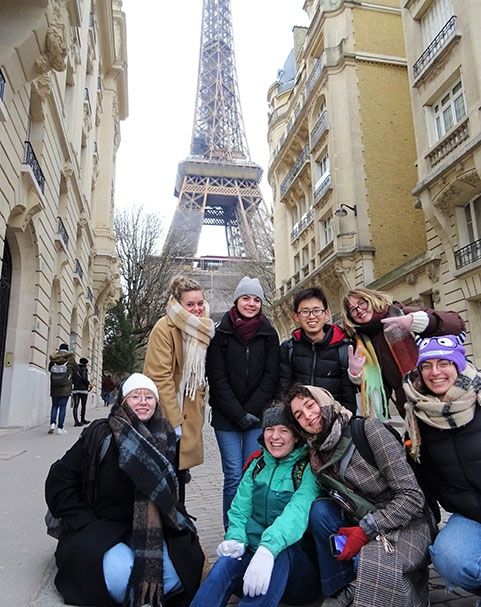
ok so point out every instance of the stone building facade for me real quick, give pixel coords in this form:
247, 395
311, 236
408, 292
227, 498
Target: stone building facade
342, 156
444, 63
63, 92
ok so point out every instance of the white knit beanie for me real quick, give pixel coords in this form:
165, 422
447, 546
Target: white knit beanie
138, 381
249, 286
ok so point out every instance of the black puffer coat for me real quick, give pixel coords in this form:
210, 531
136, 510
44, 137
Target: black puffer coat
322, 363
242, 376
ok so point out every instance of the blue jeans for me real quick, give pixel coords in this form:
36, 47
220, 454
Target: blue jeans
235, 448
325, 519
117, 564
59, 406
456, 553
294, 580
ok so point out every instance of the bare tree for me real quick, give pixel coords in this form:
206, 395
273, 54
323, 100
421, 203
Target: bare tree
146, 269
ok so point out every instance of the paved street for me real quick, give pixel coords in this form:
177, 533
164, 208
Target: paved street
26, 555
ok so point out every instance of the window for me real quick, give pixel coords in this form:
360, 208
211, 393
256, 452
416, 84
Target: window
326, 232
322, 170
472, 216
448, 110
435, 18
297, 263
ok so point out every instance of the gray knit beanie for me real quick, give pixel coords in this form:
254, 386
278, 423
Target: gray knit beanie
275, 416
249, 286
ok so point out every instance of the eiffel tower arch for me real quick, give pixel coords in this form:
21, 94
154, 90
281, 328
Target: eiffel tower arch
218, 184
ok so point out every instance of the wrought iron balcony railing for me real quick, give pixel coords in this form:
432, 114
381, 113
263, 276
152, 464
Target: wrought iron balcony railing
89, 295
302, 224
87, 100
78, 269
468, 254
436, 45
296, 167
322, 188
32, 162
319, 128
3, 82
62, 231
314, 75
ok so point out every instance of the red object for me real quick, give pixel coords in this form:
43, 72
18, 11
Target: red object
356, 539
403, 347
252, 456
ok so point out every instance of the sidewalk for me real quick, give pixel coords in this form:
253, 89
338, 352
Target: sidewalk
27, 568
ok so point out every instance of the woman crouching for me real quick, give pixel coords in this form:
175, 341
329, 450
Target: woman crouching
261, 558
126, 539
386, 533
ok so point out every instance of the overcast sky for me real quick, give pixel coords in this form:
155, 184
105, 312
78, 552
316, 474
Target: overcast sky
163, 38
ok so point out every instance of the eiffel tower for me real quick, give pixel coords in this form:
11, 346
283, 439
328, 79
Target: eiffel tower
218, 184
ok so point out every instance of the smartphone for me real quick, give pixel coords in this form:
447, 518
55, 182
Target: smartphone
337, 543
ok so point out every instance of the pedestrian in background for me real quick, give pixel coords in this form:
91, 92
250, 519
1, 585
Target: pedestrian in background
62, 367
379, 362
243, 371
175, 361
262, 559
81, 387
107, 388
443, 420
125, 537
317, 352
385, 527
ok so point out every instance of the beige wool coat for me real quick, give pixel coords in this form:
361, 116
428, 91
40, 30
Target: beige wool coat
163, 364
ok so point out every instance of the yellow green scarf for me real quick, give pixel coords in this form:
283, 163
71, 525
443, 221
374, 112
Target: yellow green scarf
373, 397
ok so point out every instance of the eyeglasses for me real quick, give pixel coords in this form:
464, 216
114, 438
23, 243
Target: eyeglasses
137, 398
442, 365
317, 312
361, 305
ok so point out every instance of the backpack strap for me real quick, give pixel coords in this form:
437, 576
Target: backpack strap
260, 465
252, 456
360, 441
344, 355
290, 350
298, 471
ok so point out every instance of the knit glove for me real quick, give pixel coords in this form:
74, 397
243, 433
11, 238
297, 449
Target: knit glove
258, 574
403, 322
231, 548
247, 421
356, 539
356, 360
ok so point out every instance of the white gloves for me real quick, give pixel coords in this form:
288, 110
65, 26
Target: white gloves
258, 574
231, 548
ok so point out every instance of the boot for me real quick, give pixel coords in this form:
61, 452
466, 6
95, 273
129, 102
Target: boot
75, 415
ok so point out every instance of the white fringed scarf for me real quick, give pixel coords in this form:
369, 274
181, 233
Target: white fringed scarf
196, 335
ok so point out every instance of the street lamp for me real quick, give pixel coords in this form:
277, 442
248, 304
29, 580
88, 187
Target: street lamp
341, 210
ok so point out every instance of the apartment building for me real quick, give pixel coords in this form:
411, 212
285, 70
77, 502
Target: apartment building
444, 62
342, 159
63, 93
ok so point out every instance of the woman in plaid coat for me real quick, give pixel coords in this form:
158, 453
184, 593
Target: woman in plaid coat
387, 532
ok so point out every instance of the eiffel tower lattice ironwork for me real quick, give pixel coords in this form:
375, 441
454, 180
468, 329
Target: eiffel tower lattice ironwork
218, 184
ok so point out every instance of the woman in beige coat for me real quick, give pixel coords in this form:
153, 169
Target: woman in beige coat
175, 361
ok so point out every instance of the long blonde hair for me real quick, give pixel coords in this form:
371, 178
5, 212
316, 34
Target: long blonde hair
182, 284
378, 301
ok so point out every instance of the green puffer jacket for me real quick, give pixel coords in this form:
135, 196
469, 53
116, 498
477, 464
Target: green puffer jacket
266, 510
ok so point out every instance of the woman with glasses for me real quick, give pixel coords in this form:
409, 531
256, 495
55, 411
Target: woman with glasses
443, 419
125, 539
367, 314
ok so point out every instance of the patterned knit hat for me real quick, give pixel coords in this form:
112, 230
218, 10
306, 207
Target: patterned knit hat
446, 347
249, 286
275, 416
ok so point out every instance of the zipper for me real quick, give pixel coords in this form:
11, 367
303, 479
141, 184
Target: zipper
247, 361
314, 360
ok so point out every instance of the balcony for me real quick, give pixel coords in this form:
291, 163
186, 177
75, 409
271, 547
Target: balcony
31, 161
319, 128
439, 43
89, 295
302, 224
294, 170
322, 189
92, 34
3, 83
450, 142
87, 105
314, 75
468, 254
78, 273
61, 237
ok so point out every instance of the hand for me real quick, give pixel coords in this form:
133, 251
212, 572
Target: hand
356, 539
403, 322
231, 548
247, 421
356, 360
258, 574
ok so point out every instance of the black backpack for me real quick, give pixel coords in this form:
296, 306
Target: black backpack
297, 469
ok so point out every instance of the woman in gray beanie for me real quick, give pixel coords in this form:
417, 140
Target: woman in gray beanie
243, 371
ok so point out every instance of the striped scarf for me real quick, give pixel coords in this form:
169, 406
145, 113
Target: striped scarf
373, 396
455, 410
196, 335
146, 453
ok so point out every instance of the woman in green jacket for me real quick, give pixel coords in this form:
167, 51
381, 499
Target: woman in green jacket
261, 558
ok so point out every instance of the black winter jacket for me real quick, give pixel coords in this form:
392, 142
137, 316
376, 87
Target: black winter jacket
451, 466
322, 363
242, 376
81, 378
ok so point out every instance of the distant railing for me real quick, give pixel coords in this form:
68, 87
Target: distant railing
302, 224
296, 167
314, 75
319, 128
87, 100
89, 295
78, 269
33, 163
3, 82
439, 41
62, 231
468, 254
322, 188
449, 143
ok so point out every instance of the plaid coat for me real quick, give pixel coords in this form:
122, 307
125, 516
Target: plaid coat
399, 579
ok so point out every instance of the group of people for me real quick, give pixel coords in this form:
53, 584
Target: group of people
317, 502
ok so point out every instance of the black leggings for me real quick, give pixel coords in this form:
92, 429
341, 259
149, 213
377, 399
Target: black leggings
181, 474
82, 400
